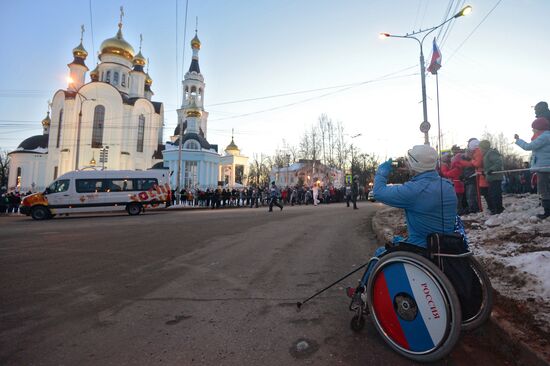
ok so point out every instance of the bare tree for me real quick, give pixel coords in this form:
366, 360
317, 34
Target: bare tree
341, 147
258, 173
4, 168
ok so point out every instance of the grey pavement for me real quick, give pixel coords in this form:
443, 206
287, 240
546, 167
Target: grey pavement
195, 287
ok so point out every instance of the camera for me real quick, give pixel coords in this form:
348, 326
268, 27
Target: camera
398, 163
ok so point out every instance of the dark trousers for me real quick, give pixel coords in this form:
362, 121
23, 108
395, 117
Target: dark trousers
354, 200
470, 191
494, 197
460, 203
484, 192
274, 202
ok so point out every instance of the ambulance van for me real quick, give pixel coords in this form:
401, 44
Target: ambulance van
85, 191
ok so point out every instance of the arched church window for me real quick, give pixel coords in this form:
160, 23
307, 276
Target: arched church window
99, 120
140, 132
58, 141
108, 76
193, 91
115, 78
18, 178
101, 78
192, 145
123, 83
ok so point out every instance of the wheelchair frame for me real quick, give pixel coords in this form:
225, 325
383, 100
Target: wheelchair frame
364, 301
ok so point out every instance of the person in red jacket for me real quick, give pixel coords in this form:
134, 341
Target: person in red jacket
482, 184
452, 170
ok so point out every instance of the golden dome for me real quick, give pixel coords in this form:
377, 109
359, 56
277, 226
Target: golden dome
79, 51
195, 42
118, 46
232, 146
194, 112
47, 121
139, 59
94, 74
148, 80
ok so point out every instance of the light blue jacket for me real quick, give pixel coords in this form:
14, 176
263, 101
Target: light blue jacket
423, 203
541, 150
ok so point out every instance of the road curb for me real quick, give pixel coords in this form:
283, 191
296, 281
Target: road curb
500, 332
509, 338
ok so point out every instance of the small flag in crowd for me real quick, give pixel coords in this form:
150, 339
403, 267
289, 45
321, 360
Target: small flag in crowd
435, 64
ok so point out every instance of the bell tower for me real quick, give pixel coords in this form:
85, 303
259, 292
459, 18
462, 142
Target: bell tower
193, 91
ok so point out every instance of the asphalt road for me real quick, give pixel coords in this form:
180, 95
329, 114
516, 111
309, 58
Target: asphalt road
201, 287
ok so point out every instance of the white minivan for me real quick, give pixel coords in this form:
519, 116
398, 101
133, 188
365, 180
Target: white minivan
100, 191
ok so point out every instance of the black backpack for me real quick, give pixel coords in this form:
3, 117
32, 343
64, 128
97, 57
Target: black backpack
457, 269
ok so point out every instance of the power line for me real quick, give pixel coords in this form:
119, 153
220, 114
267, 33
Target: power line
308, 99
177, 44
475, 29
341, 87
92, 29
184, 41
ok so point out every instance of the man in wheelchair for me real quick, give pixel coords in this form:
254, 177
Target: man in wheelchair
421, 291
429, 202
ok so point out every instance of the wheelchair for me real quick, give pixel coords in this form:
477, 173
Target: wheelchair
415, 307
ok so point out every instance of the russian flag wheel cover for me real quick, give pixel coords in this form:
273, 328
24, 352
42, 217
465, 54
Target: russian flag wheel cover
409, 305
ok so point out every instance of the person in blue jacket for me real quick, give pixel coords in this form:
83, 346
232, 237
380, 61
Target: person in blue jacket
429, 201
540, 161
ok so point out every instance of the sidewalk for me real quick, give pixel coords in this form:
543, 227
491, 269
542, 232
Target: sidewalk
512, 329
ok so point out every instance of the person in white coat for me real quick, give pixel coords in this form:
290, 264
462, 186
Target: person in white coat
315, 194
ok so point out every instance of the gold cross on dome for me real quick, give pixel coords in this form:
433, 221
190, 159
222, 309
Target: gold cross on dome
81, 32
121, 13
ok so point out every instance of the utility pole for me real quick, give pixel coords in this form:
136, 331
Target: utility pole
178, 178
79, 127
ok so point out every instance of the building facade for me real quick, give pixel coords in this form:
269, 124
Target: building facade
194, 163
105, 119
307, 172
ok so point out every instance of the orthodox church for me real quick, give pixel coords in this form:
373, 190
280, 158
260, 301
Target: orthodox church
201, 165
110, 122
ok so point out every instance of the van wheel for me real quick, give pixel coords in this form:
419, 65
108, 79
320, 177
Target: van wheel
40, 213
133, 209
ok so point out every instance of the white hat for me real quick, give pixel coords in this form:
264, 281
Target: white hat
473, 144
422, 158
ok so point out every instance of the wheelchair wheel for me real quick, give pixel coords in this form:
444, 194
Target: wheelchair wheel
414, 306
485, 306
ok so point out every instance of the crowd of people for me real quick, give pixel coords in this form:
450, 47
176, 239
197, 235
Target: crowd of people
478, 171
262, 196
10, 201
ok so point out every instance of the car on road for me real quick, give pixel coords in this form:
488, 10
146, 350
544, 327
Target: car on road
83, 191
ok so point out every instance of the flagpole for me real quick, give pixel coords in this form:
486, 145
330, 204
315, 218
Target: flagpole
438, 117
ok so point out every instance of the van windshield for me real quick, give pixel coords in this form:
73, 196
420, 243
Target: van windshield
59, 186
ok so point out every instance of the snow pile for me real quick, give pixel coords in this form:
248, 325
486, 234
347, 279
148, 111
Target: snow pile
515, 249
513, 246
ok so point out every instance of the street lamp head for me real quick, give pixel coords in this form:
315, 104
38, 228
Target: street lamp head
384, 35
465, 11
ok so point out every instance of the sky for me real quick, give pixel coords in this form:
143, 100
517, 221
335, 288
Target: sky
326, 57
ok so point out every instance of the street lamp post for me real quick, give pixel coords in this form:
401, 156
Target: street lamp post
352, 152
77, 154
425, 125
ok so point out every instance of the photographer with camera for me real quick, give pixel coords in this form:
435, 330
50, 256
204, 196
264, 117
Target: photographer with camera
428, 199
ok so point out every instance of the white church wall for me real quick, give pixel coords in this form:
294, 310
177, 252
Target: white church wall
33, 168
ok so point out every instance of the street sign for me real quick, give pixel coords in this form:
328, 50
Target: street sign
425, 126
103, 155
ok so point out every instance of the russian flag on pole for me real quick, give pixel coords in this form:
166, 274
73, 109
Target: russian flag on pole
435, 63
